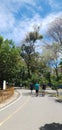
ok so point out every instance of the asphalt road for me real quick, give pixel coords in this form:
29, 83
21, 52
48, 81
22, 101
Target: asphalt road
30, 112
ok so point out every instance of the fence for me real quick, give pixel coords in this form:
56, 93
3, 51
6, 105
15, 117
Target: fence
5, 94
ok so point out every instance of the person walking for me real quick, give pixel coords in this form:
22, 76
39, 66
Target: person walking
37, 88
43, 88
31, 87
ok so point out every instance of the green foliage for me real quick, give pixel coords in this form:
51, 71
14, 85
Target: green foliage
60, 63
33, 36
35, 78
56, 83
24, 65
28, 49
1, 40
9, 61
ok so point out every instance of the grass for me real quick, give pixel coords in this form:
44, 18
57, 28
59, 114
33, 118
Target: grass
59, 97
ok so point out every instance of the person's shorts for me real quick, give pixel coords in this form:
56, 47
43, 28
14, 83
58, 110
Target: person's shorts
37, 91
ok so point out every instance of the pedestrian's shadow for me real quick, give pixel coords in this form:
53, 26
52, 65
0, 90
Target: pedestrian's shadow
26, 93
29, 94
52, 126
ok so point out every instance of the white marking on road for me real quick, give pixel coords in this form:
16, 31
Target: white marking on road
11, 103
7, 118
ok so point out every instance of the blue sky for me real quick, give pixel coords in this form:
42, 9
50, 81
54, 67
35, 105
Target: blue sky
17, 17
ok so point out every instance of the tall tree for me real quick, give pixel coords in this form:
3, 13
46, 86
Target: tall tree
28, 48
51, 56
55, 32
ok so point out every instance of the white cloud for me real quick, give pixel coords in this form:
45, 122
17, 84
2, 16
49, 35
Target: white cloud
6, 21
14, 5
55, 4
48, 19
27, 25
16, 29
23, 27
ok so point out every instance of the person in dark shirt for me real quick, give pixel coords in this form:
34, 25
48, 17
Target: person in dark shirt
43, 88
31, 87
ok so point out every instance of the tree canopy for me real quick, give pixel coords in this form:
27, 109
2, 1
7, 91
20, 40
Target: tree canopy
28, 49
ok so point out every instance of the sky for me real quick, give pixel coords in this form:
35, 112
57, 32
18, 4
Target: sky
18, 17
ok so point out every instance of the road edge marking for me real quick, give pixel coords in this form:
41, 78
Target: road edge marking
17, 110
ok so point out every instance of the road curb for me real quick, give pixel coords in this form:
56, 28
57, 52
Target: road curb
10, 100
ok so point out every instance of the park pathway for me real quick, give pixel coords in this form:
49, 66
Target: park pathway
31, 113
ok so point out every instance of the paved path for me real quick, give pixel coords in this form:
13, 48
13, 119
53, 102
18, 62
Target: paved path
30, 112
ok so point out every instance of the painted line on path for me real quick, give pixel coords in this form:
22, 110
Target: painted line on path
10, 116
11, 103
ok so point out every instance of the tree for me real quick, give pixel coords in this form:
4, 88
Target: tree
60, 63
55, 33
52, 57
1, 40
54, 48
28, 48
55, 30
9, 60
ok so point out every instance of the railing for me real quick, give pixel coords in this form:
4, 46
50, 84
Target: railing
5, 94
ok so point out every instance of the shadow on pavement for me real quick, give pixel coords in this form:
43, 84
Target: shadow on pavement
26, 93
33, 94
52, 126
59, 100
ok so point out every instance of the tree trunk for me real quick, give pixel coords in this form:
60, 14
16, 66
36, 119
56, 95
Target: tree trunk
1, 85
56, 70
29, 72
